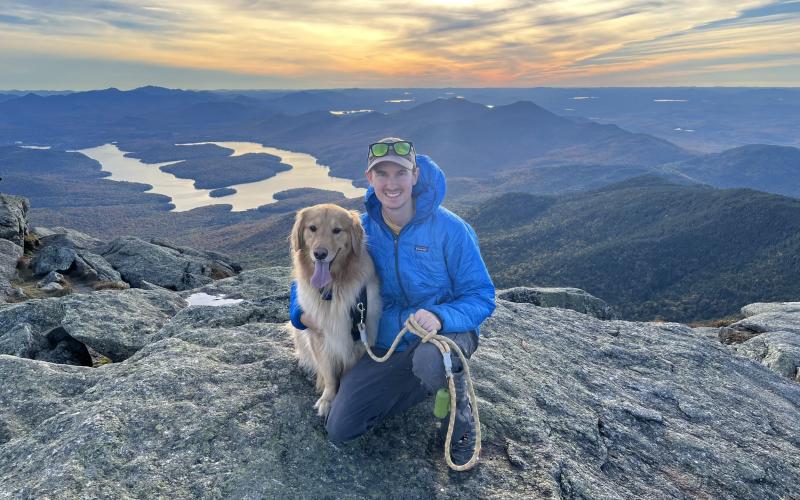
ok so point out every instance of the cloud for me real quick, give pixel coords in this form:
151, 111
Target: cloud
754, 38
409, 43
5, 19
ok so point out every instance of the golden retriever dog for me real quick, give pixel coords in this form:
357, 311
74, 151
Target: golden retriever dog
331, 267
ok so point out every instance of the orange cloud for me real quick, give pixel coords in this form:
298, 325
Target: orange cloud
423, 42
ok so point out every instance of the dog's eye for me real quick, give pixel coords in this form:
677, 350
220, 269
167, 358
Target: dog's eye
312, 228
336, 230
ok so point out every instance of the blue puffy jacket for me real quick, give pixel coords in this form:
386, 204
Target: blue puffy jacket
434, 264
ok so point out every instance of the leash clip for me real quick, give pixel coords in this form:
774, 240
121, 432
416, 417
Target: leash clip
362, 328
448, 364
361, 309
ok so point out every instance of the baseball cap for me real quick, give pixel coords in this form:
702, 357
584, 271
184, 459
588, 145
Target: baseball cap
406, 161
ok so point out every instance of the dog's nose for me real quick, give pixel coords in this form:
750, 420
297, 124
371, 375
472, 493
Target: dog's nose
320, 253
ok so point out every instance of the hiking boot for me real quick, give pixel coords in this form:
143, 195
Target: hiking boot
461, 451
464, 434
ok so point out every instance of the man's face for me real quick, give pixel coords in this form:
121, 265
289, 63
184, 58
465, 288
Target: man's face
392, 184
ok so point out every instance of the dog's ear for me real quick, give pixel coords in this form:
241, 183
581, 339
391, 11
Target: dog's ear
296, 236
356, 233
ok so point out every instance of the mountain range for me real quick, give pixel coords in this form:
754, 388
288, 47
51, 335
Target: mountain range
468, 139
775, 169
649, 247
705, 119
118, 376
549, 167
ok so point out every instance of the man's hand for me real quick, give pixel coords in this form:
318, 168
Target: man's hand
428, 320
306, 320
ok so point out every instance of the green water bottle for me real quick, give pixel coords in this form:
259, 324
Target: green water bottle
441, 406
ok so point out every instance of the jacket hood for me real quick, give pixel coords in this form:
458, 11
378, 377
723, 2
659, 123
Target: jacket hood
429, 191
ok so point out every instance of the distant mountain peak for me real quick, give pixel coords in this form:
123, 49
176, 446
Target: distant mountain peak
153, 89
449, 102
450, 106
758, 166
522, 107
760, 148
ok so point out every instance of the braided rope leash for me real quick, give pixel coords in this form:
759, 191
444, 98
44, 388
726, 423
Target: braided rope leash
445, 346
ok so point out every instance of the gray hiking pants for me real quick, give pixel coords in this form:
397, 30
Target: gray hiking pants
372, 392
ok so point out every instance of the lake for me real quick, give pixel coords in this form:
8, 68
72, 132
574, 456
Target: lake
305, 172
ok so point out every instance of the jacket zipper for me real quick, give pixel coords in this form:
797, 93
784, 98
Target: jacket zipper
396, 238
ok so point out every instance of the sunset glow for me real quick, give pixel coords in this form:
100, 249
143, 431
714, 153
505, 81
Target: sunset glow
422, 43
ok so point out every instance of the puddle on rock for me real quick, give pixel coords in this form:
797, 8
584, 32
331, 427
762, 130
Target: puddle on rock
204, 299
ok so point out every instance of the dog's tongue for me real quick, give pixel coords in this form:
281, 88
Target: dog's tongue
322, 274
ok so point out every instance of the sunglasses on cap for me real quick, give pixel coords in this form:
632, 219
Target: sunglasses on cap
379, 149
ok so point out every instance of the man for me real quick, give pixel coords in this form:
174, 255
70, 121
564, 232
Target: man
430, 266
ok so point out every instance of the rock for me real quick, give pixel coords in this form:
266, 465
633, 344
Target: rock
70, 238
146, 285
45, 340
73, 251
223, 261
24, 329
18, 342
770, 322
571, 407
10, 253
708, 332
117, 324
52, 277
565, 298
253, 284
266, 298
114, 323
770, 335
52, 287
96, 268
13, 230
17, 294
14, 218
779, 351
52, 258
40, 231
58, 346
218, 317
728, 335
762, 318
166, 265
764, 307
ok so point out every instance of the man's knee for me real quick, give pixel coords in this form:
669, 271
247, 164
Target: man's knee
428, 367
341, 429
427, 363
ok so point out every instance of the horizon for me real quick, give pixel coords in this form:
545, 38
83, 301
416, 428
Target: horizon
325, 89
448, 44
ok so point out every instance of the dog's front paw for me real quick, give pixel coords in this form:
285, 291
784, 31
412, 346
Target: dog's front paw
323, 406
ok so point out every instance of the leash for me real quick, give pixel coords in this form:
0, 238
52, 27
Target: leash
445, 346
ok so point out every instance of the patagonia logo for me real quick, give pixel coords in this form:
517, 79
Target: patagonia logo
421, 248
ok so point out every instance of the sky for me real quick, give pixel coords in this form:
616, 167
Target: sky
262, 44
